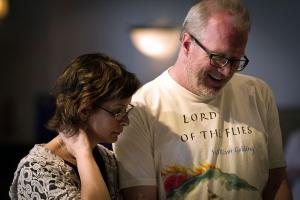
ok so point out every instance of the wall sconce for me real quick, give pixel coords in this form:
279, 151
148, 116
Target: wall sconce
159, 42
3, 8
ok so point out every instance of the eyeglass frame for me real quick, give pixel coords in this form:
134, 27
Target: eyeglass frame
120, 115
228, 60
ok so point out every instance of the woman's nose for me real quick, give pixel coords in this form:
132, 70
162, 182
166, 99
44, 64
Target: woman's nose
125, 121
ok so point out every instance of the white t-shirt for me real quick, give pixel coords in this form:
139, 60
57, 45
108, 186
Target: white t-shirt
195, 147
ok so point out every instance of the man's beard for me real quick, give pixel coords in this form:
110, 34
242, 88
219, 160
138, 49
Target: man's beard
205, 91
198, 87
196, 84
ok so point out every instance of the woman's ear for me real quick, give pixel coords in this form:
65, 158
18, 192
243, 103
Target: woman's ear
84, 114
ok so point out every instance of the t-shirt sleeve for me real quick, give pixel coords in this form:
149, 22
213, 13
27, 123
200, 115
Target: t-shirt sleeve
275, 148
134, 151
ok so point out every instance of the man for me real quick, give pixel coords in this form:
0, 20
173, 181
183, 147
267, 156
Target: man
200, 130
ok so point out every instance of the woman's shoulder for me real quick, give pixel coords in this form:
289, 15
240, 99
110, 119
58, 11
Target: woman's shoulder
42, 169
41, 161
39, 155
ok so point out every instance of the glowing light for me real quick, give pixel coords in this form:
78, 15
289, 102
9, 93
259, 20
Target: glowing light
3, 8
156, 42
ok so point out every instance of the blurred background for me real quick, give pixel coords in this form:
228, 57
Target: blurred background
39, 38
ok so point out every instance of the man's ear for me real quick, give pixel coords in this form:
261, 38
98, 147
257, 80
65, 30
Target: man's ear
186, 42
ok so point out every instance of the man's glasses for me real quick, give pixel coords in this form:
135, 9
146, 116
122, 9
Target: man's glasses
120, 115
220, 61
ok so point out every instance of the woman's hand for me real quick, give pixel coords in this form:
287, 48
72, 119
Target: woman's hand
77, 144
92, 183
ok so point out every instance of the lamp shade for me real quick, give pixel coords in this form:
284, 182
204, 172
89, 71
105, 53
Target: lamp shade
156, 42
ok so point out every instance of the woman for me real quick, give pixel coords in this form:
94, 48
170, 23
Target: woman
92, 104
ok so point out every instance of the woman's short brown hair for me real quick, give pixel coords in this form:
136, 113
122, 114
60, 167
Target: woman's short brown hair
88, 82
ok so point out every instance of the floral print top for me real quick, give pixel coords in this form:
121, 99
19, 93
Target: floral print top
44, 175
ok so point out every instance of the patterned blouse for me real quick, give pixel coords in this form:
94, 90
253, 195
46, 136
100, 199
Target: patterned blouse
44, 175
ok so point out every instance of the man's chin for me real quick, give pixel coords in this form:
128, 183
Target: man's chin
208, 91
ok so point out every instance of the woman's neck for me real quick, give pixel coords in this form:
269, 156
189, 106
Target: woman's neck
58, 147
